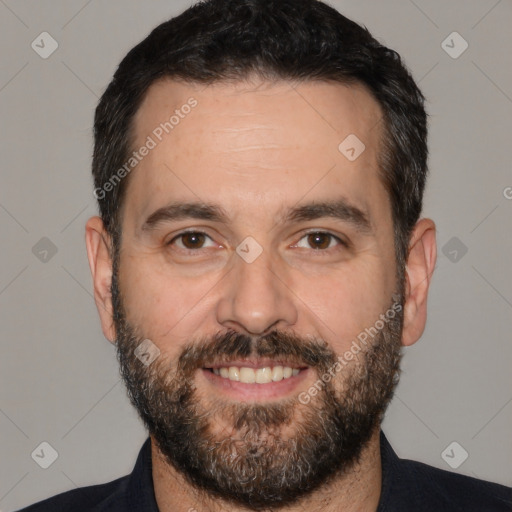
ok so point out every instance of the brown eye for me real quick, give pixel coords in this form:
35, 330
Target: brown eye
191, 241
319, 240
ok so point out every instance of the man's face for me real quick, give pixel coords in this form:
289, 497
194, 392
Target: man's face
291, 262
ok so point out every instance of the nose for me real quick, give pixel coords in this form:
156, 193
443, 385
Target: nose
255, 299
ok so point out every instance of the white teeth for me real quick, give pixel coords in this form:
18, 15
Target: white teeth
247, 375
264, 375
258, 375
277, 373
234, 373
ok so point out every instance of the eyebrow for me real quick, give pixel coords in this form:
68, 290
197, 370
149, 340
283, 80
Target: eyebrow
340, 209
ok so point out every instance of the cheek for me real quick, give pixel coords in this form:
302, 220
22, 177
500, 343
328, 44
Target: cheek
345, 302
163, 304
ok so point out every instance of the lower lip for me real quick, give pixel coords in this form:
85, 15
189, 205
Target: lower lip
255, 391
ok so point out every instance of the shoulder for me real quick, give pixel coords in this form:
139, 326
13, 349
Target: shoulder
95, 498
412, 485
441, 490
130, 492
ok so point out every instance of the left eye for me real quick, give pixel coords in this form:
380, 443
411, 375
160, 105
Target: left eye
319, 240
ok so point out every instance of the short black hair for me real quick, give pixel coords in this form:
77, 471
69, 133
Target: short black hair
295, 40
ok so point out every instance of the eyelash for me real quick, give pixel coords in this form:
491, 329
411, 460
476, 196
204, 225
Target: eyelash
314, 232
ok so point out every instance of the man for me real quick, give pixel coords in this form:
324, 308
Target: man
259, 262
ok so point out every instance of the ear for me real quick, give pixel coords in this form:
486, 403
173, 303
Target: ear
420, 265
98, 245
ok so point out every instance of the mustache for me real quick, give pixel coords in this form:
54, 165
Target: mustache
313, 352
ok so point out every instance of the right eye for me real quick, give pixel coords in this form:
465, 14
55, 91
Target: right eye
190, 241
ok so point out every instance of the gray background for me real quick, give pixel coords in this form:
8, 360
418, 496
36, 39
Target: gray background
59, 377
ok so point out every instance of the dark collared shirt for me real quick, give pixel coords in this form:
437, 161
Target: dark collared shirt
407, 486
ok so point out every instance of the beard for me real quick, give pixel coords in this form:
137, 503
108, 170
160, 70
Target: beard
260, 455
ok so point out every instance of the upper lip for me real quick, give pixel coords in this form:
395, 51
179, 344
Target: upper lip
255, 363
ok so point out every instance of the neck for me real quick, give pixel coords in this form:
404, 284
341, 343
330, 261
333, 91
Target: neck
356, 491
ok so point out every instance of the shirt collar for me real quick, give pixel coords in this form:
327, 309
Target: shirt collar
140, 494
390, 465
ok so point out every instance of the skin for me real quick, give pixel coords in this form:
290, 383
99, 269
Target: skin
256, 149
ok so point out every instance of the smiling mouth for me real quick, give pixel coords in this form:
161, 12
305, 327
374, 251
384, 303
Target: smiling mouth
262, 375
256, 371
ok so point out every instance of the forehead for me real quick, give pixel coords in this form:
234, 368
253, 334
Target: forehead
238, 141
227, 109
